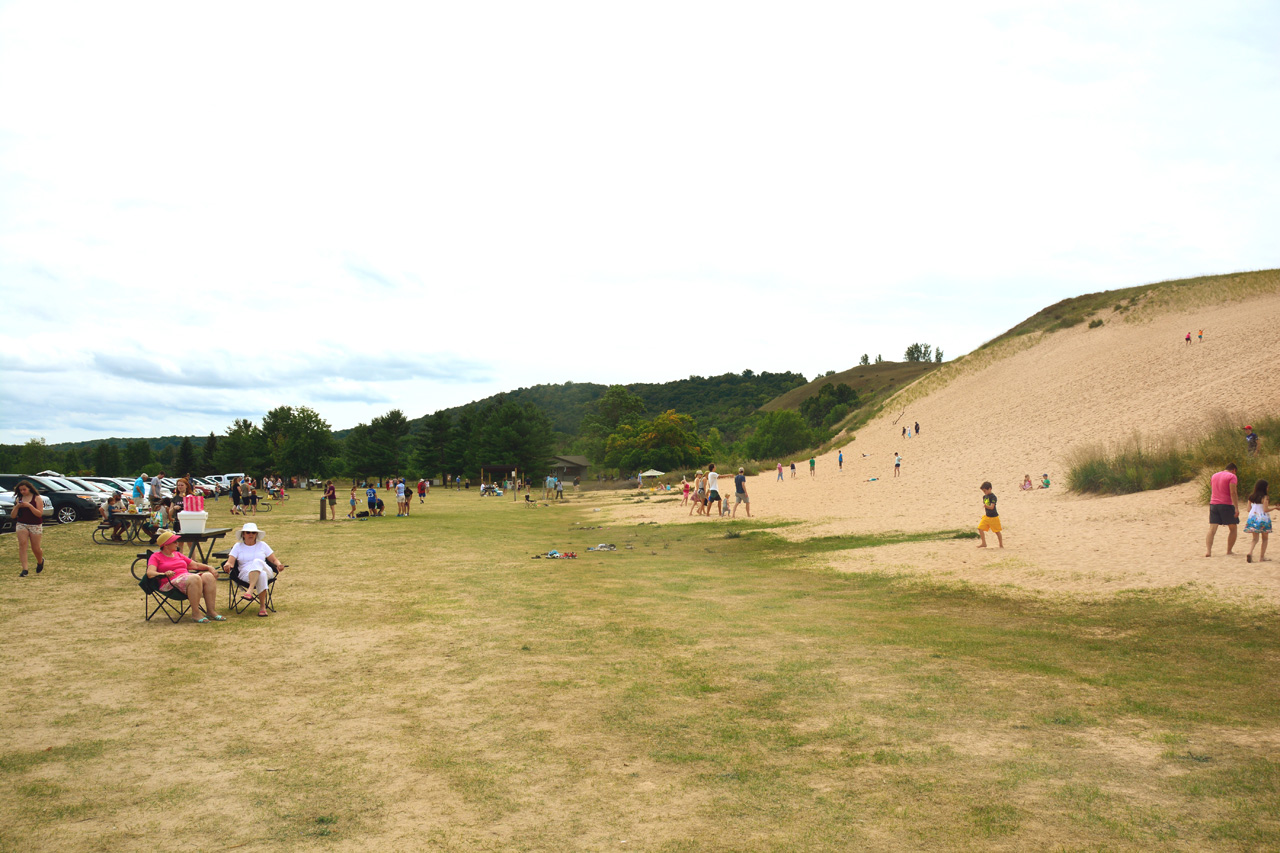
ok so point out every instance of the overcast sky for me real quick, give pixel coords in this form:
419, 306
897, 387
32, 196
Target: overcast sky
208, 210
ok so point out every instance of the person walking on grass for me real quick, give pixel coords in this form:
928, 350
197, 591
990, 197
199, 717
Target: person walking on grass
740, 492
28, 524
1259, 521
990, 517
422, 490
1222, 507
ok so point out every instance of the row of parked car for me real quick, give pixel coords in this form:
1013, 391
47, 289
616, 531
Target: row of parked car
70, 499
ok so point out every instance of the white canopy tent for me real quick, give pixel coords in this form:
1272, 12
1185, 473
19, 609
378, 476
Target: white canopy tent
652, 472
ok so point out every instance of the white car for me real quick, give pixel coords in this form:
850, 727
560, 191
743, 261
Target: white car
7, 521
98, 497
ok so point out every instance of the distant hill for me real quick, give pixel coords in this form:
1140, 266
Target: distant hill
878, 380
724, 402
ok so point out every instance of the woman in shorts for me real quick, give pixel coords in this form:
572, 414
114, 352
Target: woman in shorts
235, 496
331, 495
352, 512
175, 571
28, 514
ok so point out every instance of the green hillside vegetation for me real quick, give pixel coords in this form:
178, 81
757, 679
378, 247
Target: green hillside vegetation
724, 402
868, 380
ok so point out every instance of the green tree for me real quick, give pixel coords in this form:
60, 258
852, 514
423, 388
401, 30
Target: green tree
242, 449
667, 442
137, 456
71, 463
387, 438
937, 355
779, 433
308, 443
185, 463
357, 458
35, 456
106, 460
431, 444
460, 458
208, 456
878, 359
919, 352
864, 361
514, 434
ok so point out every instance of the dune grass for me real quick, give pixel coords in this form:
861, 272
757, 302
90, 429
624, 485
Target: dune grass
1144, 463
427, 685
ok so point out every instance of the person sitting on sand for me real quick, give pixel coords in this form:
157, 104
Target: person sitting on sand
255, 563
1259, 520
177, 572
1044, 481
1026, 483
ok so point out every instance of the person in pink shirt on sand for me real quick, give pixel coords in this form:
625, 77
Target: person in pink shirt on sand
1222, 507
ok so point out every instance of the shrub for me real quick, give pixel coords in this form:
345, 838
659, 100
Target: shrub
1137, 466
1093, 324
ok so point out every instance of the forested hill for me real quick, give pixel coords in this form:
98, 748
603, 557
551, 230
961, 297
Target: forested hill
722, 401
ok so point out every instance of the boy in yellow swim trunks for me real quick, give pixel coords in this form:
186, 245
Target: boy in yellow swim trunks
990, 518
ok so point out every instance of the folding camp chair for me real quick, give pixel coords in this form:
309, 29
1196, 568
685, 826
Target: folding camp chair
174, 603
236, 586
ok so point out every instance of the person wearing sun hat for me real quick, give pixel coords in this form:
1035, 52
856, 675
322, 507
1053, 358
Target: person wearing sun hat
253, 561
176, 571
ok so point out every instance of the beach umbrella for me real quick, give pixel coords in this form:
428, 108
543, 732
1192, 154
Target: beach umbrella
653, 473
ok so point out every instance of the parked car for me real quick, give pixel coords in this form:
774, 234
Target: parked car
7, 521
68, 506
65, 484
210, 488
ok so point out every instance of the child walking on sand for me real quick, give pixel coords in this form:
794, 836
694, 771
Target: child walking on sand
1259, 521
990, 518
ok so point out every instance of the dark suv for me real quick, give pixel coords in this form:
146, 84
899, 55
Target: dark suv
67, 506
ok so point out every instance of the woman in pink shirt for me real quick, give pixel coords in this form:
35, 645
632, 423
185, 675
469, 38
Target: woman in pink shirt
175, 571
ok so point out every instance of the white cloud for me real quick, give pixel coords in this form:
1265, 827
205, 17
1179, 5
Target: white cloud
419, 204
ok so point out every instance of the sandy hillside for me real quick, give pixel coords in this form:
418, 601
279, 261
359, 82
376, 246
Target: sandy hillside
1024, 414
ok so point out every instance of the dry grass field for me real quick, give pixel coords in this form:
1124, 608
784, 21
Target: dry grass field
426, 685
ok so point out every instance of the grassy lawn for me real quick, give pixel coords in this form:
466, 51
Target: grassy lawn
428, 685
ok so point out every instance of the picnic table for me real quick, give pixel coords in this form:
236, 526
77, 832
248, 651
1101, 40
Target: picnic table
202, 543
103, 532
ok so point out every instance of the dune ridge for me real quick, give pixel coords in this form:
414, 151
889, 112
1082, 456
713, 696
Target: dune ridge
1021, 407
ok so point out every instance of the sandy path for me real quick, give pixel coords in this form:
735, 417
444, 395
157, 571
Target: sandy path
1025, 414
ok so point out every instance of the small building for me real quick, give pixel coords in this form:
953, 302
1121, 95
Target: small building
568, 467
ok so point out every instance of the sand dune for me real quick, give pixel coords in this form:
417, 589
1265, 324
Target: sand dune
1025, 414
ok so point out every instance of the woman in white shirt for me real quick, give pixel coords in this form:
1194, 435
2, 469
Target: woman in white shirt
253, 561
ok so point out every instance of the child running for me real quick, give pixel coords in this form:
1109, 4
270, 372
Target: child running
1259, 521
990, 518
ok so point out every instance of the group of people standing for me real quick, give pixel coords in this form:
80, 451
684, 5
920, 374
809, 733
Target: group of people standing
706, 491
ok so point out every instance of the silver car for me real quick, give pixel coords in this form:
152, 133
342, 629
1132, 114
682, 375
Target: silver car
7, 521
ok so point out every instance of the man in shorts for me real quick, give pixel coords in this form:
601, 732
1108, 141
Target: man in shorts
740, 492
713, 491
1222, 507
813, 462
990, 517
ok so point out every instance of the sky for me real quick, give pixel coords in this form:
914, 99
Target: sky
209, 210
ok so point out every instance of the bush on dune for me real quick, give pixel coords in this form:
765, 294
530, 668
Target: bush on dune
1142, 464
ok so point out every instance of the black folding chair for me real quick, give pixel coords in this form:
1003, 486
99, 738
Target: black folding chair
236, 586
174, 603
